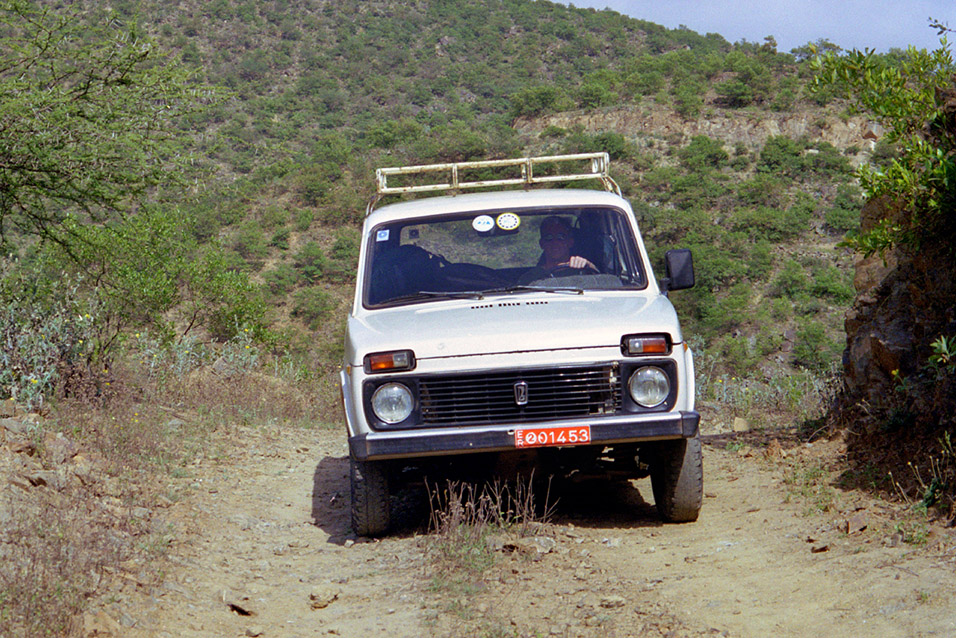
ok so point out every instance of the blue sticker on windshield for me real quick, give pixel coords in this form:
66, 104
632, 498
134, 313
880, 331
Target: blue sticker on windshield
382, 235
483, 223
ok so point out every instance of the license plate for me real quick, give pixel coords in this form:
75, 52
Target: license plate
541, 437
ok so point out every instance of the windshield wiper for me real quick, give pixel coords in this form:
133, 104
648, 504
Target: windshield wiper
479, 294
434, 294
512, 289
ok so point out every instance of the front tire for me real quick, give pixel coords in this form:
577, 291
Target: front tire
677, 478
371, 511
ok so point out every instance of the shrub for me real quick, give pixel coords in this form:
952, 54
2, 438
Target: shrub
310, 261
829, 281
49, 338
703, 152
593, 95
844, 216
734, 93
552, 131
281, 279
771, 224
763, 190
790, 280
813, 349
534, 101
688, 101
312, 305
611, 143
781, 156
730, 311
737, 354
760, 261
280, 239
249, 241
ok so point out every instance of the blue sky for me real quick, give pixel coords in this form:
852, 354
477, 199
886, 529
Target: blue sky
851, 24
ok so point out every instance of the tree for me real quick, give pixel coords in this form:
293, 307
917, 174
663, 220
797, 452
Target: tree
90, 117
94, 145
912, 95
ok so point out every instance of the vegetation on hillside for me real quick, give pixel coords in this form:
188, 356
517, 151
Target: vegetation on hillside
247, 198
183, 185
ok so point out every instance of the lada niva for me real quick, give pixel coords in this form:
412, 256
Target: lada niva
516, 322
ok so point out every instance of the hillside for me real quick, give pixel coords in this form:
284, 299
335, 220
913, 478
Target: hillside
162, 328
721, 148
323, 95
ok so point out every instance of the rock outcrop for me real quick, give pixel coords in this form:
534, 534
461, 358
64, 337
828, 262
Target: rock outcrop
897, 407
730, 127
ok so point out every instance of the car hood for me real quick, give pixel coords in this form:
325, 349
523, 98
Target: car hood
519, 323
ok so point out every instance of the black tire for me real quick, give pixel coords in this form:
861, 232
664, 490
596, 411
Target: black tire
371, 511
677, 478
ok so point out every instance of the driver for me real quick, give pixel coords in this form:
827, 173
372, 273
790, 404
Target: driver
557, 241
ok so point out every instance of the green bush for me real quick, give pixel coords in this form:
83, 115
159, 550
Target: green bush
763, 223
592, 95
344, 254
552, 131
281, 279
611, 143
310, 262
829, 281
249, 241
790, 280
734, 93
535, 100
312, 305
781, 156
688, 100
48, 335
844, 216
702, 153
814, 350
760, 260
730, 311
763, 190
280, 239
737, 354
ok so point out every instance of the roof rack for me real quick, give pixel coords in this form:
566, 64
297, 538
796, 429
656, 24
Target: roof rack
450, 173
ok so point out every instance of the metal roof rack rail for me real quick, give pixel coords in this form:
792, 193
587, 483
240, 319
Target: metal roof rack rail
449, 175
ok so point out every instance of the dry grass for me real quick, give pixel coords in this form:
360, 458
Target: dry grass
54, 553
469, 524
134, 424
464, 517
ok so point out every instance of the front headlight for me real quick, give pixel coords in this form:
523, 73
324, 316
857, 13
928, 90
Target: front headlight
392, 403
649, 386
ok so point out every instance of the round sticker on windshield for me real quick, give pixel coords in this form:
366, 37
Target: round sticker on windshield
508, 221
483, 223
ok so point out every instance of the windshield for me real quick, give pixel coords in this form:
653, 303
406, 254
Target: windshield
473, 255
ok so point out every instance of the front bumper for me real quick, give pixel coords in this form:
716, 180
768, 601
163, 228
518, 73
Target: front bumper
605, 430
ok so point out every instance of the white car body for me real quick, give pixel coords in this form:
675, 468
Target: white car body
550, 341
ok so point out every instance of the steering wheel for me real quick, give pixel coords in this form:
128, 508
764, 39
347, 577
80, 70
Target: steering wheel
568, 271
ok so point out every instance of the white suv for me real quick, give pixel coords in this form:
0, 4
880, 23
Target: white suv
521, 322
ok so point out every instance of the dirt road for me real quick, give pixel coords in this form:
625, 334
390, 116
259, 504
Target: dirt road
262, 547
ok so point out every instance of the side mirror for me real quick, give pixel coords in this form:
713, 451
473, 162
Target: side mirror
679, 266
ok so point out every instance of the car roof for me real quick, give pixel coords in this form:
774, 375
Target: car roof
498, 200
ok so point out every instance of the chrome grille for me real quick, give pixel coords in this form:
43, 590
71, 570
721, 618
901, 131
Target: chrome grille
552, 393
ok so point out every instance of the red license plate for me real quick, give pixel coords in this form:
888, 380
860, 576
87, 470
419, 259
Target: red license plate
541, 437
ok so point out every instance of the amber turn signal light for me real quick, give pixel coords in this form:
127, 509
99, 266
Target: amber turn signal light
396, 361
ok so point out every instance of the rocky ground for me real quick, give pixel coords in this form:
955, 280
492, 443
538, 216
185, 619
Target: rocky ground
260, 546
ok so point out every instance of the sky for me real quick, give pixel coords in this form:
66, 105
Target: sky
851, 24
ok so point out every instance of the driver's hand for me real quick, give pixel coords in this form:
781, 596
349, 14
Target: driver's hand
579, 262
